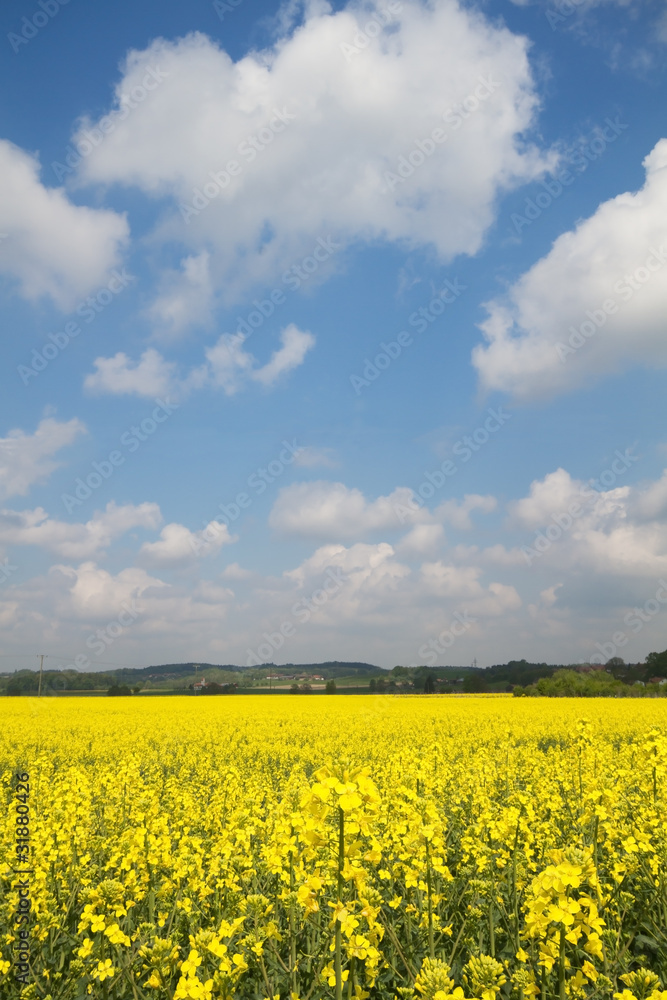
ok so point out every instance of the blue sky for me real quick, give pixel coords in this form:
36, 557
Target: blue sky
333, 332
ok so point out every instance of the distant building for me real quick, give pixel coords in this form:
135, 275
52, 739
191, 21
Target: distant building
198, 685
657, 680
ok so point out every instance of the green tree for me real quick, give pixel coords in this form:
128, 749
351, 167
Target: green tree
400, 672
474, 683
330, 687
656, 664
118, 689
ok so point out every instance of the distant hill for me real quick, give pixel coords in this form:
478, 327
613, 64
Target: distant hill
332, 668
180, 677
159, 675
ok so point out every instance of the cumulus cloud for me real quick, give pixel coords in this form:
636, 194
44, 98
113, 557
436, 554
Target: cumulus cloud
582, 5
69, 602
547, 496
93, 594
391, 601
457, 513
594, 304
76, 541
177, 546
52, 247
421, 540
618, 533
295, 345
652, 502
186, 298
26, 459
263, 156
322, 509
150, 376
228, 366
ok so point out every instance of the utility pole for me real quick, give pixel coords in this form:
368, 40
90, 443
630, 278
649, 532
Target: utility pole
42, 657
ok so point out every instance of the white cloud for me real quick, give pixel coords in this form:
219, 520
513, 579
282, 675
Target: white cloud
652, 502
70, 601
26, 459
52, 247
228, 367
228, 363
547, 496
178, 546
150, 376
322, 509
582, 5
186, 298
94, 594
325, 131
236, 572
458, 513
295, 345
609, 277
75, 541
615, 534
609, 559
422, 540
443, 580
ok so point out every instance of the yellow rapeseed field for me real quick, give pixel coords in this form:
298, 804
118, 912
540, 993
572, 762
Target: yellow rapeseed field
344, 847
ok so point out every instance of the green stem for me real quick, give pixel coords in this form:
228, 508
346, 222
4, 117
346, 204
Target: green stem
515, 898
561, 965
292, 930
399, 950
338, 963
431, 948
350, 982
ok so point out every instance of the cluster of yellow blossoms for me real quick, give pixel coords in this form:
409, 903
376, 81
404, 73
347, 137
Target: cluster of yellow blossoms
398, 848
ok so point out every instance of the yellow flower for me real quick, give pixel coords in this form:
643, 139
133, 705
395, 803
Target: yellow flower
590, 971
85, 949
104, 970
240, 963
